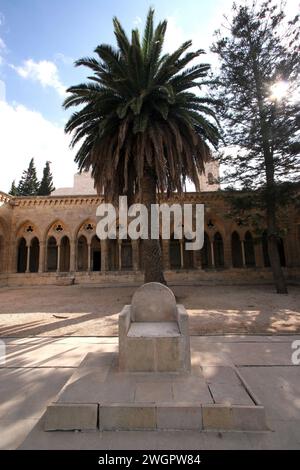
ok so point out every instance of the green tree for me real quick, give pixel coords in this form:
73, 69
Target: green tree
13, 190
258, 61
140, 128
46, 185
29, 184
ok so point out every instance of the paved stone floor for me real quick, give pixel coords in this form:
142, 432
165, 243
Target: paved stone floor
37, 368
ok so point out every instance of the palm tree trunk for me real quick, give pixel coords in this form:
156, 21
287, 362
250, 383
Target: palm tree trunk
152, 258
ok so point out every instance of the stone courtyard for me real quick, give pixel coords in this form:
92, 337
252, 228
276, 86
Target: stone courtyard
92, 310
50, 330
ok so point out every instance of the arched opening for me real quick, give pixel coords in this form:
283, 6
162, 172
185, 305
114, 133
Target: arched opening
188, 255
82, 254
64, 255
175, 253
51, 254
1, 254
113, 255
34, 255
22, 256
249, 250
218, 250
96, 254
140, 251
126, 255
236, 250
281, 252
206, 252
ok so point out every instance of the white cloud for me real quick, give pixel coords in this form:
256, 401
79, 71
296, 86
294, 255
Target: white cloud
45, 72
65, 59
26, 133
3, 50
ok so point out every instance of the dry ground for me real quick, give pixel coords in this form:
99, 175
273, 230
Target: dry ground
93, 311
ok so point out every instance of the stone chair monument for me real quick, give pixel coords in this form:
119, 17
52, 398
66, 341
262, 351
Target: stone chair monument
154, 381
154, 332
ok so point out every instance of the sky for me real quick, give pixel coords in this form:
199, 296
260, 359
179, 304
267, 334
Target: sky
39, 41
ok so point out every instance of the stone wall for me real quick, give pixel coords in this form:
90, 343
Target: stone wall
63, 229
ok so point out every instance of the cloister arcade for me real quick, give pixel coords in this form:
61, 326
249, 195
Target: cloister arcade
58, 251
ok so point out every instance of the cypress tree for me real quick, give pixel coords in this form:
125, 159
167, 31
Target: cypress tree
46, 186
29, 184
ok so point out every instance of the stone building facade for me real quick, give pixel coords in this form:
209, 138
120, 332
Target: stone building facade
52, 240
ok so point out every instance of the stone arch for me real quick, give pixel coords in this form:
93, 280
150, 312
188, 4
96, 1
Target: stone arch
206, 252
52, 254
281, 250
175, 253
57, 229
87, 228
188, 255
236, 250
82, 254
22, 255
28, 230
95, 254
126, 254
249, 250
218, 250
113, 254
34, 255
64, 265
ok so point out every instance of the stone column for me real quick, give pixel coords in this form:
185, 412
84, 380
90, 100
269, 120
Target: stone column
89, 256
72, 256
243, 253
197, 261
28, 259
166, 254
120, 254
58, 258
181, 254
104, 255
42, 257
212, 254
135, 254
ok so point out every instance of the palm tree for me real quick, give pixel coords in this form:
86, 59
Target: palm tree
140, 129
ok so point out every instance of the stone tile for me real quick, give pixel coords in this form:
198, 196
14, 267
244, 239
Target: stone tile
230, 394
249, 419
181, 416
191, 389
220, 375
66, 417
153, 392
127, 417
24, 393
277, 388
13, 432
216, 417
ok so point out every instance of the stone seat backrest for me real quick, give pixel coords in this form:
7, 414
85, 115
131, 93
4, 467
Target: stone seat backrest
153, 302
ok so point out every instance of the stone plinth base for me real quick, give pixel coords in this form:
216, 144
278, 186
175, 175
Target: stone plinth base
99, 397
